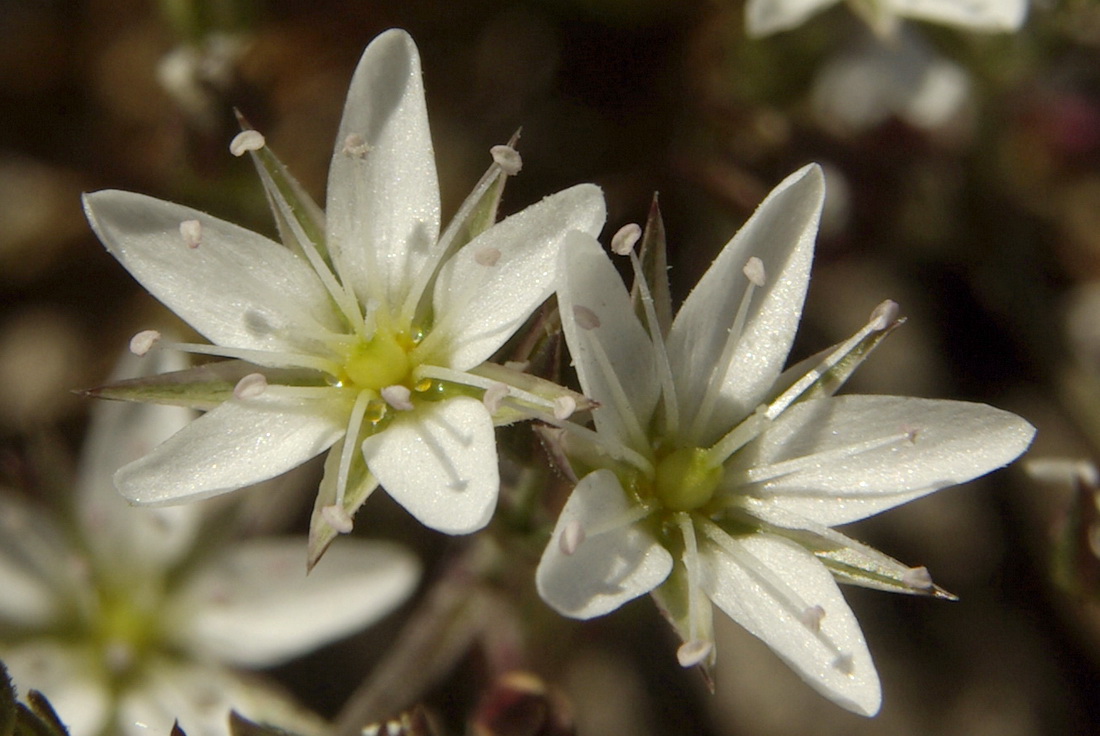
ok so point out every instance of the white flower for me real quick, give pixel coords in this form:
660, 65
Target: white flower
763, 17
368, 331
130, 618
711, 474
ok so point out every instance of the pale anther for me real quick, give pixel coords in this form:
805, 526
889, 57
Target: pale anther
251, 386
337, 517
811, 618
585, 317
917, 578
245, 141
691, 653
517, 365
572, 536
507, 158
487, 256
564, 406
623, 242
355, 146
191, 232
754, 271
141, 343
493, 397
884, 315
844, 664
398, 397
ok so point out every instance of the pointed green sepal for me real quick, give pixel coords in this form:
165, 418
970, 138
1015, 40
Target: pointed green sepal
359, 487
533, 386
653, 254
241, 726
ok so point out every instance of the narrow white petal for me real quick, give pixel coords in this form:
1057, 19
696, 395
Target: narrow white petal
936, 444
237, 444
120, 433
763, 17
821, 640
237, 288
67, 679
439, 462
489, 288
383, 196
781, 234
35, 570
603, 333
615, 562
981, 15
256, 606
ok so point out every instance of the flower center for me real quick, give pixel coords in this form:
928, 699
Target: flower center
685, 479
380, 362
126, 630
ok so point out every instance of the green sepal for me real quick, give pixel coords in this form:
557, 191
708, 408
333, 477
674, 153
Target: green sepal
296, 214
653, 254
241, 726
35, 718
202, 387
512, 412
823, 374
671, 598
360, 485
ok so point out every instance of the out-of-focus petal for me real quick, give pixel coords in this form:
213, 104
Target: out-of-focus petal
605, 559
67, 678
981, 15
764, 17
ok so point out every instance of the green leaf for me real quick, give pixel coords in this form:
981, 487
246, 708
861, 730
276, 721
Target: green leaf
202, 387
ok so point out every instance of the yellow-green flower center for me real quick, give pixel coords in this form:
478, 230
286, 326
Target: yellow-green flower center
685, 479
380, 362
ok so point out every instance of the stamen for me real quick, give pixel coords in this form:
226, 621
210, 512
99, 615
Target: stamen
664, 367
623, 408
271, 358
487, 256
603, 441
251, 386
493, 397
623, 242
564, 406
468, 379
191, 232
507, 158
586, 319
754, 272
738, 437
884, 315
762, 473
355, 147
572, 535
691, 564
693, 652
398, 397
351, 441
142, 342
245, 141
918, 578
337, 517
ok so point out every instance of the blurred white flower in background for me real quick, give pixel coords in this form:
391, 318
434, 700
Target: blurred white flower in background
715, 476
763, 17
130, 618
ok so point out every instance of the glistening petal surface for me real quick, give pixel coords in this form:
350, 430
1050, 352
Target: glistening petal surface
237, 444
611, 351
439, 461
758, 596
236, 287
486, 291
615, 562
781, 234
871, 453
383, 195
256, 606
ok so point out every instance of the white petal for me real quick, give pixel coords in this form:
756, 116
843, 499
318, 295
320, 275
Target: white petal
66, 678
763, 17
121, 432
383, 196
35, 576
949, 442
614, 563
237, 444
982, 15
237, 288
489, 288
598, 319
439, 462
834, 660
256, 607
781, 234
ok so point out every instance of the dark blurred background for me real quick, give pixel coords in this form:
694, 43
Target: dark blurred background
978, 212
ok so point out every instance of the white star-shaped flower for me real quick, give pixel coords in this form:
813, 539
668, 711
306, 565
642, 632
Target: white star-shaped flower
764, 17
365, 333
713, 475
130, 618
